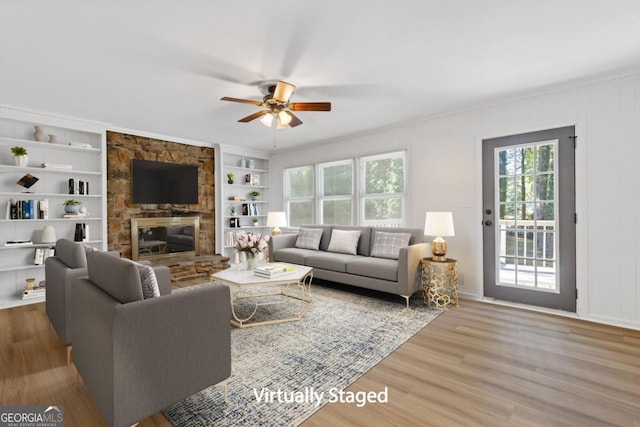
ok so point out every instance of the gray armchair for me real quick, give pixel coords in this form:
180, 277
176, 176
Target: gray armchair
68, 264
138, 356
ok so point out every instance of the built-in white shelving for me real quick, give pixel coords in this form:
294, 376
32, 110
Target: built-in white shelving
79, 144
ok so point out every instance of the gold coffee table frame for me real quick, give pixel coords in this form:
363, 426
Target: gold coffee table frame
295, 285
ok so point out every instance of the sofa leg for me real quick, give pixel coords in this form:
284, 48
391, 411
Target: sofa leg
406, 298
69, 354
225, 390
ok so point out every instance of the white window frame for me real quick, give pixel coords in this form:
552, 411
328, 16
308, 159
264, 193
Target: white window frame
321, 198
363, 196
287, 191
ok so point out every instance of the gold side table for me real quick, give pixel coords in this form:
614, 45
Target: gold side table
440, 282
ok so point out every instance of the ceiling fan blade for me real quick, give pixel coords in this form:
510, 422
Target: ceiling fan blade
295, 121
253, 116
283, 91
244, 101
310, 106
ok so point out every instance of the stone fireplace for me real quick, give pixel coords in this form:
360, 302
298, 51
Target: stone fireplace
159, 238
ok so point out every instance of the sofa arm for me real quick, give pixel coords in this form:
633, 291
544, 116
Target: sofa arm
408, 263
168, 348
280, 242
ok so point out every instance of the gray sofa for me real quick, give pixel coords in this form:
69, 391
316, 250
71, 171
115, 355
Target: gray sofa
179, 238
68, 264
137, 356
396, 276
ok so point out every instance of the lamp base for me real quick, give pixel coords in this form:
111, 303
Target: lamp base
438, 249
276, 232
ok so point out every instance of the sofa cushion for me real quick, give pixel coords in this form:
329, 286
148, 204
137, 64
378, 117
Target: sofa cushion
387, 245
118, 277
326, 234
148, 281
330, 261
309, 238
188, 230
72, 254
293, 255
378, 268
344, 241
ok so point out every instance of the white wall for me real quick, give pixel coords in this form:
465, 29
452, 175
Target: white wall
445, 174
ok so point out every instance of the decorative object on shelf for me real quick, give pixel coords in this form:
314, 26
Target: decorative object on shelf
52, 139
43, 209
247, 179
242, 162
232, 210
251, 164
255, 222
48, 234
276, 220
20, 156
252, 245
72, 206
30, 284
230, 177
83, 210
254, 195
234, 222
27, 181
80, 234
439, 224
39, 134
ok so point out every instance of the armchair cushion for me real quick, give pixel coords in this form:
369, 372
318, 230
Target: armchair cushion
72, 254
118, 277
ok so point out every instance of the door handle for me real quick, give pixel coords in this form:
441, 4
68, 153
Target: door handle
488, 223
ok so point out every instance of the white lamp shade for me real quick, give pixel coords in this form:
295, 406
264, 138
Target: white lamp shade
276, 219
439, 224
48, 234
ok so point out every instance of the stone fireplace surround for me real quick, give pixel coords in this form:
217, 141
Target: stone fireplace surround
121, 150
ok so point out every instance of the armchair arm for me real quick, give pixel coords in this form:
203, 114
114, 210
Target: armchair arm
168, 348
279, 242
163, 276
408, 262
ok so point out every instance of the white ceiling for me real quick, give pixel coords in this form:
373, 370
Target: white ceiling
161, 66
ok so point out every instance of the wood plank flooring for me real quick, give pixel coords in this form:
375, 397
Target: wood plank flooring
479, 364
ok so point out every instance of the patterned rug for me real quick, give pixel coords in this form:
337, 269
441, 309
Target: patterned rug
341, 337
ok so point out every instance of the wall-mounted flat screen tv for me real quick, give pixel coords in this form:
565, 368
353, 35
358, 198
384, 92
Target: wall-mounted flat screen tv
162, 182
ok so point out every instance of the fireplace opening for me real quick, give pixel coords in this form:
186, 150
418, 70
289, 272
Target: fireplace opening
164, 237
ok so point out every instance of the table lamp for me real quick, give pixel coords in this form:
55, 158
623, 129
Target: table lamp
276, 220
439, 224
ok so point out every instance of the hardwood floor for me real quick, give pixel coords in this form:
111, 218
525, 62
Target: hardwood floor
479, 364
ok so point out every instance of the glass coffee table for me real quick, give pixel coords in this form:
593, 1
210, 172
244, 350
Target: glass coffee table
292, 291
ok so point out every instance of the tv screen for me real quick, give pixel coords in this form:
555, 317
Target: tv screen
161, 182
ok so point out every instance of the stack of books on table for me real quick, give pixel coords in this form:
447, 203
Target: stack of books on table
33, 293
272, 270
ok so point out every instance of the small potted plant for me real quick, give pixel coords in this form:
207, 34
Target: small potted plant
20, 156
230, 177
72, 206
254, 195
232, 209
255, 222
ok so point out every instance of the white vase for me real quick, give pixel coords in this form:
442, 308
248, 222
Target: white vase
21, 160
48, 234
38, 135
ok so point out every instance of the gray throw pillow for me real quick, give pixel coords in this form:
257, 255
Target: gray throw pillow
309, 238
387, 245
150, 288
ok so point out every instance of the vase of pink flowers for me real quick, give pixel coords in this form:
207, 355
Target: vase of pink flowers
251, 244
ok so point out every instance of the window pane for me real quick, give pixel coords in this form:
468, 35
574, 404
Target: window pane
336, 212
300, 213
506, 271
506, 162
544, 187
384, 175
338, 180
524, 188
300, 182
507, 189
389, 208
524, 160
544, 160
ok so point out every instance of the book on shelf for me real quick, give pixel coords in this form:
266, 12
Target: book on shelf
272, 270
41, 254
27, 209
34, 293
19, 243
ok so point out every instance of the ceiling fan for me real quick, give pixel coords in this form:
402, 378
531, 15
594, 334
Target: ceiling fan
277, 106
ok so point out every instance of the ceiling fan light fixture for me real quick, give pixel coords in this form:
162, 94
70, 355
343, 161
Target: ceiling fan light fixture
284, 118
267, 119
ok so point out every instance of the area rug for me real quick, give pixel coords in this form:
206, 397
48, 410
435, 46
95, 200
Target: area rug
276, 369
